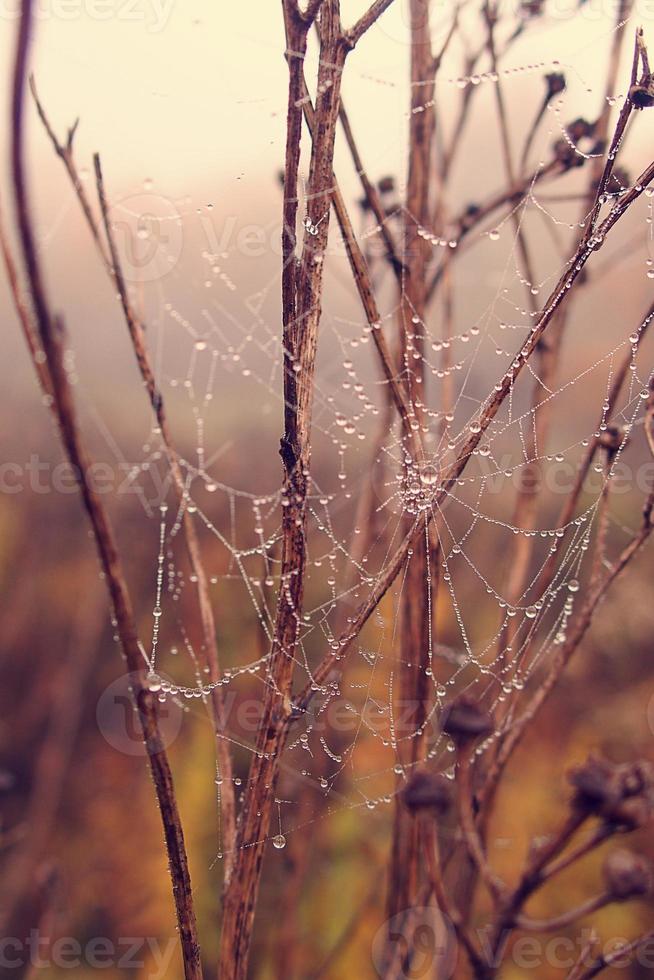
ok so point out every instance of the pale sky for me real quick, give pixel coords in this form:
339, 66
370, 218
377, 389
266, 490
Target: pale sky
188, 91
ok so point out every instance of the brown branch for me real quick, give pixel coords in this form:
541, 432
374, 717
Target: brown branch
111, 262
372, 196
137, 336
434, 865
566, 918
366, 21
51, 334
472, 838
301, 313
65, 152
608, 959
24, 314
363, 282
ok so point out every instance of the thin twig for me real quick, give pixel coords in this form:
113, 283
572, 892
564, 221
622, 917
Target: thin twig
51, 334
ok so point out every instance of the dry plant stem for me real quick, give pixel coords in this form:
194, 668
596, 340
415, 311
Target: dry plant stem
603, 522
596, 839
582, 958
363, 282
111, 261
567, 513
429, 835
535, 874
372, 196
414, 684
302, 293
51, 335
24, 314
65, 152
602, 123
137, 336
301, 309
607, 960
466, 102
472, 837
621, 125
365, 22
566, 918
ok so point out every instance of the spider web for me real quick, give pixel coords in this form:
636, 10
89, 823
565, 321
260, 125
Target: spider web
344, 752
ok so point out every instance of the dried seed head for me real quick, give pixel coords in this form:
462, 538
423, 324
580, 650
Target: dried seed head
642, 94
629, 814
580, 129
612, 439
555, 83
427, 791
627, 875
566, 155
597, 785
532, 8
386, 185
622, 795
469, 216
465, 720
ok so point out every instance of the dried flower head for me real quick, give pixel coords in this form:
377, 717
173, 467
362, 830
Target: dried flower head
597, 784
532, 8
386, 185
642, 94
566, 154
427, 791
469, 216
627, 875
580, 129
555, 83
623, 795
465, 720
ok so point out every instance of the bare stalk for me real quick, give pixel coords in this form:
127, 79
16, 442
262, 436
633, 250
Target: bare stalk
50, 330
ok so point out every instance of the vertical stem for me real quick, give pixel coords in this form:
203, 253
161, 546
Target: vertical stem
301, 298
51, 334
414, 682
